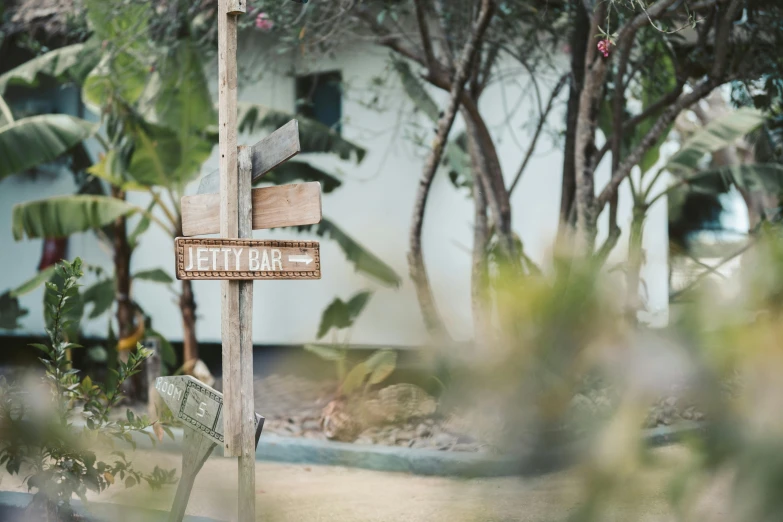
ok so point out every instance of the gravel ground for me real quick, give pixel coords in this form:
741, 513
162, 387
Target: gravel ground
292, 407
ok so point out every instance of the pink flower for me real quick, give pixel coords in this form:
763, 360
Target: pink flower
263, 22
603, 47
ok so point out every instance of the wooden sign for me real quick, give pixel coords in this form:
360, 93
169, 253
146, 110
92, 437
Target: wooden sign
198, 406
245, 259
275, 149
280, 206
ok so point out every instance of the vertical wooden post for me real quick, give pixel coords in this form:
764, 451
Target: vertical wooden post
152, 370
195, 451
247, 458
227, 133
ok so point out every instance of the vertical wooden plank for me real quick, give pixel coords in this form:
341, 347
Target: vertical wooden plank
247, 459
152, 370
195, 451
227, 133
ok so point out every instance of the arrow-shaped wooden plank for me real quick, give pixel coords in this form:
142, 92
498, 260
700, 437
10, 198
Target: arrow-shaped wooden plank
277, 148
280, 206
197, 405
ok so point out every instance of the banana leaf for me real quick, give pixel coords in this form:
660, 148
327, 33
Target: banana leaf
31, 141
34, 282
416, 91
313, 135
10, 312
716, 135
293, 171
65, 215
71, 62
362, 259
340, 314
101, 296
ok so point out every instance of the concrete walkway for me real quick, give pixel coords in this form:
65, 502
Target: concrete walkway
302, 493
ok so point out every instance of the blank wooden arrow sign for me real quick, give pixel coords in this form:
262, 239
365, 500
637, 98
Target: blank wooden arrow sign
280, 206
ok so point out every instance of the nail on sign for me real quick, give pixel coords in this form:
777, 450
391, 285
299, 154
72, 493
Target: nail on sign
247, 259
197, 405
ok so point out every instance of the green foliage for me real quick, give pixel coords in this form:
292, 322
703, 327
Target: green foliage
718, 134
67, 63
57, 458
31, 141
10, 311
363, 260
34, 282
156, 275
416, 91
340, 315
101, 295
315, 137
292, 171
65, 215
372, 371
167, 354
687, 163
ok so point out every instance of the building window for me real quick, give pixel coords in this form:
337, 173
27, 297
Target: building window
319, 96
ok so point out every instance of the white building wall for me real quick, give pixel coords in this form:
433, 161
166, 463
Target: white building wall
374, 206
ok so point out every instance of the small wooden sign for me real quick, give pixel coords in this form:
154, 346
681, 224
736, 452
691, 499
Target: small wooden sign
280, 206
270, 152
245, 259
197, 405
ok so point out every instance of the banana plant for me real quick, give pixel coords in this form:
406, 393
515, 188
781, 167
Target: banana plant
688, 175
25, 144
159, 123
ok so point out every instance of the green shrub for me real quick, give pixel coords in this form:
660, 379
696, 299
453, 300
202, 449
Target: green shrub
40, 437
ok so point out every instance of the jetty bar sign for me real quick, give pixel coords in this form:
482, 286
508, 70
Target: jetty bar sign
246, 259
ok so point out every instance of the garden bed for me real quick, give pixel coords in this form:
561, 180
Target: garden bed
293, 406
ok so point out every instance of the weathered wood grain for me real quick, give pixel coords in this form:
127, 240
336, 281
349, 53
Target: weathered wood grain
198, 406
245, 410
280, 146
227, 134
245, 259
236, 7
277, 148
280, 206
195, 452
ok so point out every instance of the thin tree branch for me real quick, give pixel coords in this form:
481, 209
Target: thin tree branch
655, 132
630, 123
683, 102
443, 33
541, 121
415, 258
424, 31
486, 70
704, 274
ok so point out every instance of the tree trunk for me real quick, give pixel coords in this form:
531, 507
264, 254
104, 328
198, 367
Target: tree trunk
579, 37
497, 196
479, 273
418, 273
122, 278
187, 307
635, 261
585, 151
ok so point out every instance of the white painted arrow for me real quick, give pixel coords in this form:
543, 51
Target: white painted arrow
306, 259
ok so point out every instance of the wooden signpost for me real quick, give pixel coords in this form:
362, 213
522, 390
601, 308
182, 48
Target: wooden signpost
227, 205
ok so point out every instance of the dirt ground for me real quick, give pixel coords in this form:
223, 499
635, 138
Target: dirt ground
335, 494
